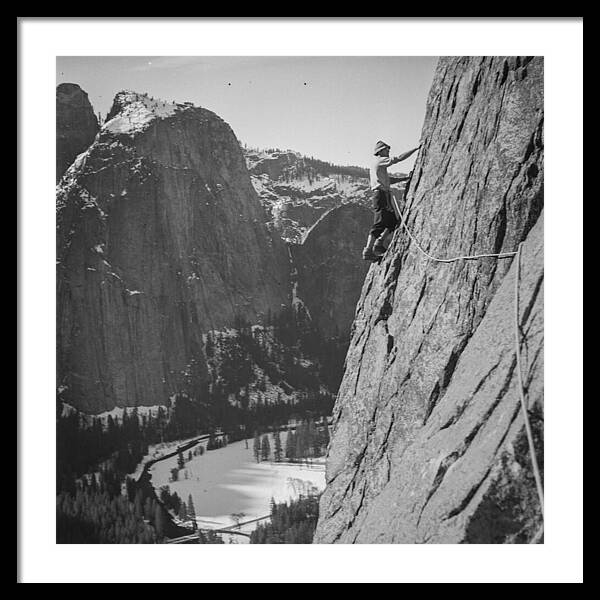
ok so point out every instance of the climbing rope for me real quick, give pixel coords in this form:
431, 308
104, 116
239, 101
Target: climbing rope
445, 260
524, 406
524, 403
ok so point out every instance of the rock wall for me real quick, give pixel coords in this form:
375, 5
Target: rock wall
160, 237
428, 443
76, 125
330, 272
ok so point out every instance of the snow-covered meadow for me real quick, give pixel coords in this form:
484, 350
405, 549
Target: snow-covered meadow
229, 481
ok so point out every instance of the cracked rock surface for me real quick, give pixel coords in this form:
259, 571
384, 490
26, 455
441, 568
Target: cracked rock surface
428, 443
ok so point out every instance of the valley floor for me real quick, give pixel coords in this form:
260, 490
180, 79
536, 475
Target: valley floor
229, 481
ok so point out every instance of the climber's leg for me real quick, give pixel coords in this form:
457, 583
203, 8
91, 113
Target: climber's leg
380, 245
389, 222
378, 202
370, 242
379, 206
367, 252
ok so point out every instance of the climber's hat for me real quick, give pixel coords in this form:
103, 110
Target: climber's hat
379, 146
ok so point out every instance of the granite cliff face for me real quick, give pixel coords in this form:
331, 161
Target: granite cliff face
329, 270
76, 125
428, 443
160, 237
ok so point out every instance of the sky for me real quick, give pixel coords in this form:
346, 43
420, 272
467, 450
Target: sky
332, 108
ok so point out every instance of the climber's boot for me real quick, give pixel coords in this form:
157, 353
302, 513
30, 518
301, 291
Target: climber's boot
368, 254
379, 248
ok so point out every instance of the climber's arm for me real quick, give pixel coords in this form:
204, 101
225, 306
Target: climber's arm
399, 179
404, 156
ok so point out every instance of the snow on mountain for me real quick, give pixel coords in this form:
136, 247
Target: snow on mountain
133, 112
297, 190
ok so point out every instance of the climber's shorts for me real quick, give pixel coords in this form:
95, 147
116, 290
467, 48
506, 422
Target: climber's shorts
384, 218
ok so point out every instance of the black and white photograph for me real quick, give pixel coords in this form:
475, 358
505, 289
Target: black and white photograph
299, 301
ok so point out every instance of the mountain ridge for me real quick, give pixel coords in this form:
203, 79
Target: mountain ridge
160, 197
161, 237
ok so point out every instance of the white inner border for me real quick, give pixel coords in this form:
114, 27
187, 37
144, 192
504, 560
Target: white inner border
560, 558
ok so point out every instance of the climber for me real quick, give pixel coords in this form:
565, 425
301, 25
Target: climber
385, 220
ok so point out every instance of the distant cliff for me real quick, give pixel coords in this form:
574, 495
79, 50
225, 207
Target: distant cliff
76, 125
329, 270
160, 236
428, 443
296, 190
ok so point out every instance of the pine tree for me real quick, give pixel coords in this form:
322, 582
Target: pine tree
257, 447
300, 443
183, 515
180, 460
278, 452
130, 487
159, 521
138, 505
191, 511
290, 446
209, 347
265, 448
148, 509
314, 438
175, 502
325, 435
